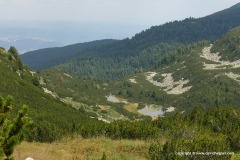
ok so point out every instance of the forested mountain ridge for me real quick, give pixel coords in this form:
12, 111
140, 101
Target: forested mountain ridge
193, 29
48, 57
126, 56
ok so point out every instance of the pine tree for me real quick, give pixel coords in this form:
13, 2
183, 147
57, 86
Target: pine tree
10, 130
14, 52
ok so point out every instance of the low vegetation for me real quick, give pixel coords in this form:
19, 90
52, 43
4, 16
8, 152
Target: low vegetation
46, 112
216, 130
11, 129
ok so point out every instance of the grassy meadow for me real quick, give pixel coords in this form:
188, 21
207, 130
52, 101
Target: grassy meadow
78, 148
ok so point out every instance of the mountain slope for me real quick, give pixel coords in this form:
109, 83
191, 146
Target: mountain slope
228, 46
47, 112
189, 30
117, 55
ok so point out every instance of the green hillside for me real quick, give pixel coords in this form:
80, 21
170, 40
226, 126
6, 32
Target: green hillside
52, 118
126, 57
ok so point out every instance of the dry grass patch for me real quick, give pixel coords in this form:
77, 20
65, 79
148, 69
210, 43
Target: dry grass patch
81, 149
131, 107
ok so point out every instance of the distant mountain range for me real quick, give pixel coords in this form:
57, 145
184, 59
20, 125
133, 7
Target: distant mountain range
33, 35
26, 44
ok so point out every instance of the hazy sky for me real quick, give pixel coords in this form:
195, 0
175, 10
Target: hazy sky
144, 12
99, 19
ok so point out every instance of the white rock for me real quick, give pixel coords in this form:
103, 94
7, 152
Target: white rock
170, 109
132, 80
170, 86
214, 57
233, 76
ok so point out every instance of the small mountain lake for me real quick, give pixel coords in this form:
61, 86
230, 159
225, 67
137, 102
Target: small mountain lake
151, 110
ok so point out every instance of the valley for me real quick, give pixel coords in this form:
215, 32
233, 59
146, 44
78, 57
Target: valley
164, 90
171, 88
